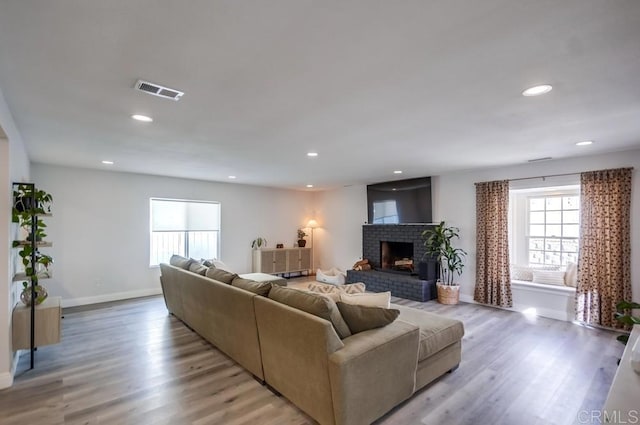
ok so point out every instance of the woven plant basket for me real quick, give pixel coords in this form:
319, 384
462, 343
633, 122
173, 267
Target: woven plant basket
448, 294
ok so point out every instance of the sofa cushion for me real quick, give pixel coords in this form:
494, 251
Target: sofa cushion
264, 277
379, 299
361, 318
180, 261
260, 288
436, 331
315, 304
221, 275
198, 268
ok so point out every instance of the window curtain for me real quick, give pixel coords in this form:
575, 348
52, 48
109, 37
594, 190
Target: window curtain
604, 259
493, 282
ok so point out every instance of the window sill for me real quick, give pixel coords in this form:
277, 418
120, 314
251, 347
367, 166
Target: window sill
544, 288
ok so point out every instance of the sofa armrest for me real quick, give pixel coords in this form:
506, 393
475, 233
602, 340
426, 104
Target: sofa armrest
373, 372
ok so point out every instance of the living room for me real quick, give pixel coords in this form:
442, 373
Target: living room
101, 212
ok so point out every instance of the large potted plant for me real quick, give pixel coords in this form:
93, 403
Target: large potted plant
438, 244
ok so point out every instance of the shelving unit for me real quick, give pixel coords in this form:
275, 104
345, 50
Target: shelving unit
39, 325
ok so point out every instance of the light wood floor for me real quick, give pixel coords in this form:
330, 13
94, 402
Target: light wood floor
131, 363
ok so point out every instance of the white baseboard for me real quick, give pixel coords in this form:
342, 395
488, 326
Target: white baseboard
6, 380
116, 296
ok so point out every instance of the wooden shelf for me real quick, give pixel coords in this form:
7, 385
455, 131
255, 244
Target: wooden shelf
19, 277
41, 244
47, 324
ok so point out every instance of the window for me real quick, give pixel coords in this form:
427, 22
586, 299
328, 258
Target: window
187, 228
385, 212
545, 226
553, 229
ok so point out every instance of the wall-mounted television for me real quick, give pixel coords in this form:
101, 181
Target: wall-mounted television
400, 201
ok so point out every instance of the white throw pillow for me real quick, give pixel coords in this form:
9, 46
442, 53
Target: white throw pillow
548, 277
571, 275
521, 273
379, 299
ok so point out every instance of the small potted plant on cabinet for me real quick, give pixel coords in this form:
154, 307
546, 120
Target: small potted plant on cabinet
450, 260
258, 243
301, 241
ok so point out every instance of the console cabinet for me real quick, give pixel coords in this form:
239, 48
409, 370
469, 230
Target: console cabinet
46, 327
282, 260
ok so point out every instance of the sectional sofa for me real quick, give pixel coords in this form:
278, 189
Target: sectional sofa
345, 381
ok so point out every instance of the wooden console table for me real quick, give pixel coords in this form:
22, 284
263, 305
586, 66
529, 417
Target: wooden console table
623, 402
47, 324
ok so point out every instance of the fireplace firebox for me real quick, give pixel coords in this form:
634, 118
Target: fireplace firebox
396, 256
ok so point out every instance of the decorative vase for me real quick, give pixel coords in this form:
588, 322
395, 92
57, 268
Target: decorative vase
302, 243
41, 295
448, 294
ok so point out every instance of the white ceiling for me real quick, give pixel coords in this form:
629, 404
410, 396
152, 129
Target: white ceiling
422, 86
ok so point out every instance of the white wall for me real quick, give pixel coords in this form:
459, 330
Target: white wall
100, 227
14, 166
340, 214
344, 211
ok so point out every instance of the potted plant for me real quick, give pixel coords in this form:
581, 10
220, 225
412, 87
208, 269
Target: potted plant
29, 205
450, 260
258, 243
301, 241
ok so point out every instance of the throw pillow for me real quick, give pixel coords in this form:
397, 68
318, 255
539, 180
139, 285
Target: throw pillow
521, 273
180, 261
323, 288
315, 304
380, 299
198, 268
571, 275
260, 288
549, 277
221, 275
361, 318
216, 263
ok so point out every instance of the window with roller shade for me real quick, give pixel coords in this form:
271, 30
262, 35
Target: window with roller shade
183, 227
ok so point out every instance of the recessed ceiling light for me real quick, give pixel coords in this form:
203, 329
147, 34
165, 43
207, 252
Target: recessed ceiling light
312, 154
584, 143
397, 172
232, 177
309, 186
107, 162
537, 90
142, 118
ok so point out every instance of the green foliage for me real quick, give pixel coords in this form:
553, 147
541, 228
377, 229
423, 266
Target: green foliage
437, 242
301, 234
624, 316
258, 243
29, 204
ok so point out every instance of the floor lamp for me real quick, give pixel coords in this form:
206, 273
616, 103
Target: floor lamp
312, 224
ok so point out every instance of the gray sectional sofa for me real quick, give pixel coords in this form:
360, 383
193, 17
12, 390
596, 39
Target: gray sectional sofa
349, 381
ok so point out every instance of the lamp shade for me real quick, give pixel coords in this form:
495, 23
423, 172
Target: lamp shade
312, 224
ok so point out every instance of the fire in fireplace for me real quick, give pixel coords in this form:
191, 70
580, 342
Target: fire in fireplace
396, 256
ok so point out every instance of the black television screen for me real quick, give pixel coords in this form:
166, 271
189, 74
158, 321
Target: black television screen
400, 201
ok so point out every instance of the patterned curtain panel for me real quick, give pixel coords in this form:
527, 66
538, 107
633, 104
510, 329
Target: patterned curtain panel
493, 283
604, 261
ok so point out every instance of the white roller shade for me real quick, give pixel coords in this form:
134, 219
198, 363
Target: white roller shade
182, 216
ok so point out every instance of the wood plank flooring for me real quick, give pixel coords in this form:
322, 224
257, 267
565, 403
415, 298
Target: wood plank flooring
130, 362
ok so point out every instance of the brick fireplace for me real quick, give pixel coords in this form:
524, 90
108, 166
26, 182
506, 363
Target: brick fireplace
375, 239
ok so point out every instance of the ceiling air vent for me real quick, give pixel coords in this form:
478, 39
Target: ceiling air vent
158, 90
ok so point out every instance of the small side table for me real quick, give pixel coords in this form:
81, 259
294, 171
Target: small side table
47, 326
622, 406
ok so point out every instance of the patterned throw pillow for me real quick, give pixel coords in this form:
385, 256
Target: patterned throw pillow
521, 273
352, 288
